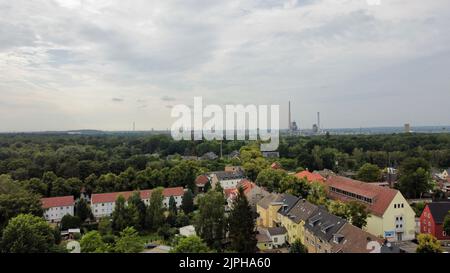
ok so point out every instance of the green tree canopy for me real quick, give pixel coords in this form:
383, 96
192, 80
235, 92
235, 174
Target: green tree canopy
83, 210
155, 211
187, 203
129, 242
210, 221
191, 244
415, 177
369, 173
92, 242
27, 233
428, 244
298, 247
242, 225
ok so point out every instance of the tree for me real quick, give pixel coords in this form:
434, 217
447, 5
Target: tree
92, 242
155, 210
339, 209
83, 210
298, 247
187, 203
104, 226
295, 186
369, 173
271, 179
242, 225
428, 244
15, 200
129, 242
120, 215
317, 194
358, 213
137, 209
27, 233
191, 244
210, 221
414, 177
447, 223
69, 221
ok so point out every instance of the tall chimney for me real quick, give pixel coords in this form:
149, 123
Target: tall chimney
318, 120
289, 119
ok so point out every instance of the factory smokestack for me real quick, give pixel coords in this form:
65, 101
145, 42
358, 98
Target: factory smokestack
289, 118
318, 120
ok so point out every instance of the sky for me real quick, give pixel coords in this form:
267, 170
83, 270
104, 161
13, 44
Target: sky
82, 64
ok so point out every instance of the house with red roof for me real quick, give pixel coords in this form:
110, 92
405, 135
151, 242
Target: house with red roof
252, 192
56, 207
432, 219
310, 176
102, 204
391, 217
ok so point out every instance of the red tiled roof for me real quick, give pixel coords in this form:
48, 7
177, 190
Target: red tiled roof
247, 185
275, 166
311, 177
229, 192
381, 196
60, 201
201, 180
145, 194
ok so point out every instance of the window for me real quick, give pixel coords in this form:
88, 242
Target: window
395, 206
402, 205
275, 240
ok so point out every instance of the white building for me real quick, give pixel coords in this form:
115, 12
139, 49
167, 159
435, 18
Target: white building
227, 179
56, 207
102, 204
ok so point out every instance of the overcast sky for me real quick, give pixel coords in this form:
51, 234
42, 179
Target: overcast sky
70, 64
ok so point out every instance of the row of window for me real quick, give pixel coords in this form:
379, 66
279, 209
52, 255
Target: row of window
352, 195
57, 208
397, 206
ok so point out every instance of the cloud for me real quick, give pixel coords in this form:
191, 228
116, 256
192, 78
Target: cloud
167, 98
332, 56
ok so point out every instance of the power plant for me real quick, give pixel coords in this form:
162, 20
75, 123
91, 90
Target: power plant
294, 128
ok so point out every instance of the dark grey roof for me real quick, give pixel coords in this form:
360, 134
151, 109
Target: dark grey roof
223, 175
288, 201
276, 231
439, 210
323, 224
302, 210
266, 201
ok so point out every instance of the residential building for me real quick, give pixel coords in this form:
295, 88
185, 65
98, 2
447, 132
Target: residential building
234, 169
294, 220
263, 240
391, 216
277, 235
56, 207
310, 176
268, 207
320, 230
209, 156
252, 192
102, 204
351, 239
201, 182
268, 154
227, 179
432, 219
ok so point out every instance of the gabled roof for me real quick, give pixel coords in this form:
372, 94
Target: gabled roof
381, 196
273, 231
324, 224
201, 180
223, 175
111, 197
311, 177
60, 201
439, 210
301, 211
353, 240
288, 201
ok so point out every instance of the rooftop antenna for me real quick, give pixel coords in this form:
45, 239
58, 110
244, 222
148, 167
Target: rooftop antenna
318, 121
